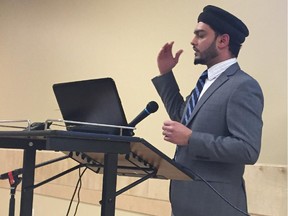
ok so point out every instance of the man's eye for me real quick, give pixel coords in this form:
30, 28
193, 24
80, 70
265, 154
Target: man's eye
201, 35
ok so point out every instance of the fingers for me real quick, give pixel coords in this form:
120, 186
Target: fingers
176, 133
165, 60
167, 49
167, 129
167, 135
167, 125
178, 54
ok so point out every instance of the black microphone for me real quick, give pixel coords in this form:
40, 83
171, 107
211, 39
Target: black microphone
150, 108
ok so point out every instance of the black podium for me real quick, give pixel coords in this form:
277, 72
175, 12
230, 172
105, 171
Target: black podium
110, 155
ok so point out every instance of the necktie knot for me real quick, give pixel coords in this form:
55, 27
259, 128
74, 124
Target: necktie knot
204, 76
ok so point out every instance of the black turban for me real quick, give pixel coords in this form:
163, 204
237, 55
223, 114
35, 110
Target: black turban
223, 22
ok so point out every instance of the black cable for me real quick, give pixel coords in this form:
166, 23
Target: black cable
78, 182
80, 186
220, 195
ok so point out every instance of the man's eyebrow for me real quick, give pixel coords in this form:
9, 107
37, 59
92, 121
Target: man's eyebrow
197, 31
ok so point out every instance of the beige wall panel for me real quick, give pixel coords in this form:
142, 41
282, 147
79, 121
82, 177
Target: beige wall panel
267, 189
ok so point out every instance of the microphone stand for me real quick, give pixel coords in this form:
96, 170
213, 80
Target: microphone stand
14, 180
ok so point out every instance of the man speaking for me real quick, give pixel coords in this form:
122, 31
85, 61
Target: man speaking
217, 129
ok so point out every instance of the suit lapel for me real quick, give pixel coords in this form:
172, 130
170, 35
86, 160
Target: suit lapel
224, 77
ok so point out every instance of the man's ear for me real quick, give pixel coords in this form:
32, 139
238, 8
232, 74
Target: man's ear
223, 40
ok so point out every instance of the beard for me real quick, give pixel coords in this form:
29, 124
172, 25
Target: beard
208, 54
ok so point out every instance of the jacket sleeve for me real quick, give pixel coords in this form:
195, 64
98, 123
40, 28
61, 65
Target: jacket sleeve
169, 92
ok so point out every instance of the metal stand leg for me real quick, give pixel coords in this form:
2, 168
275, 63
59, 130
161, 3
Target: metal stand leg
109, 185
27, 180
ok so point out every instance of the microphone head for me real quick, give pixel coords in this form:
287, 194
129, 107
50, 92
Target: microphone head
152, 107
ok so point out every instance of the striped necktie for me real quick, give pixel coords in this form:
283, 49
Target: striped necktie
194, 97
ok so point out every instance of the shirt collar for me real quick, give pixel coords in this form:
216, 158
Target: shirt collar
219, 68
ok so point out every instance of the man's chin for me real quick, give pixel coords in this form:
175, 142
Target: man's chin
198, 61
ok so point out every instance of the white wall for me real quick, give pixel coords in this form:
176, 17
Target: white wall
45, 42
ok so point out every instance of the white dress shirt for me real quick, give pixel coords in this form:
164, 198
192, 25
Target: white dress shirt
215, 71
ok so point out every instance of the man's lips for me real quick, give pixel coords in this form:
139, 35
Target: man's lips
196, 51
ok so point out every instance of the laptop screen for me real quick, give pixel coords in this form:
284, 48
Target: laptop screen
93, 101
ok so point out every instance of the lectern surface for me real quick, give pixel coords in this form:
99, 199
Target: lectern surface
136, 157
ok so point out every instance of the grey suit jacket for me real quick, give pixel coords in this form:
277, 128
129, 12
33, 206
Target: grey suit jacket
226, 128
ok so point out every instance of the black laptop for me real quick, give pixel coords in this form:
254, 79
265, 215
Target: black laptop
92, 101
